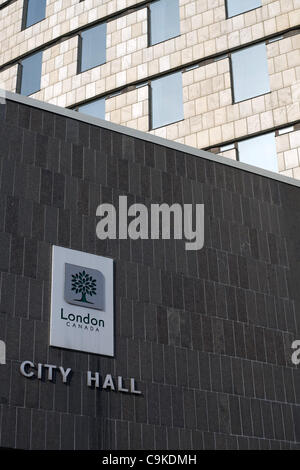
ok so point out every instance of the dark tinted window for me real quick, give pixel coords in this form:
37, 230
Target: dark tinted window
164, 20
236, 7
167, 100
31, 71
35, 11
93, 47
250, 72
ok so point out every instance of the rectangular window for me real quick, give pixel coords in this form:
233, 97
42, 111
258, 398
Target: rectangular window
164, 20
250, 72
236, 7
93, 47
167, 100
30, 74
34, 11
260, 151
95, 108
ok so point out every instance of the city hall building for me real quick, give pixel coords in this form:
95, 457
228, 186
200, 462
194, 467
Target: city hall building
142, 342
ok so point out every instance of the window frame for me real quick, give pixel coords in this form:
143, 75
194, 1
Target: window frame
149, 19
150, 94
237, 14
20, 74
233, 93
25, 14
80, 48
86, 103
260, 135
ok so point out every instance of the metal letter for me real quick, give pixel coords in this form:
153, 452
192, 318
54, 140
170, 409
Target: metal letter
133, 389
93, 380
23, 368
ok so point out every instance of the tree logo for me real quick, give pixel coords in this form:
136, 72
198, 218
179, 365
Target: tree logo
84, 286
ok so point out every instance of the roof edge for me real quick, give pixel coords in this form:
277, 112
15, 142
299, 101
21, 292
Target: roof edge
146, 136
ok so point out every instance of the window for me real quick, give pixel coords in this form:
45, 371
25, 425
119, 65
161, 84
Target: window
167, 100
259, 151
93, 47
34, 11
30, 74
236, 7
250, 72
164, 20
94, 108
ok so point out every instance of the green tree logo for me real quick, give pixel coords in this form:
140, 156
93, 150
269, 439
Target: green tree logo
84, 284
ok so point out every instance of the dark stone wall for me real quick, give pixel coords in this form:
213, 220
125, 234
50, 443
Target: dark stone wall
206, 334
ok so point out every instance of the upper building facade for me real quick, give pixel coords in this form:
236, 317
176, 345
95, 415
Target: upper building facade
219, 75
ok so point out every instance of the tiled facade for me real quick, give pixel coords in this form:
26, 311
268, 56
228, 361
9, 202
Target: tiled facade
207, 38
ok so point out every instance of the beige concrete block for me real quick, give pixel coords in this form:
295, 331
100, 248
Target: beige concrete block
282, 143
196, 124
121, 100
161, 132
143, 124
215, 135
281, 163
282, 22
294, 18
143, 93
276, 81
292, 112
280, 116
258, 104
228, 131
183, 128
280, 63
240, 127
233, 113
233, 39
189, 109
270, 26
284, 96
289, 77
172, 132
191, 140
110, 105
115, 116
213, 101
201, 105
291, 159
203, 139
287, 173
225, 97
245, 108
296, 173
253, 124
208, 120
294, 139
194, 91
266, 120
293, 58
137, 110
